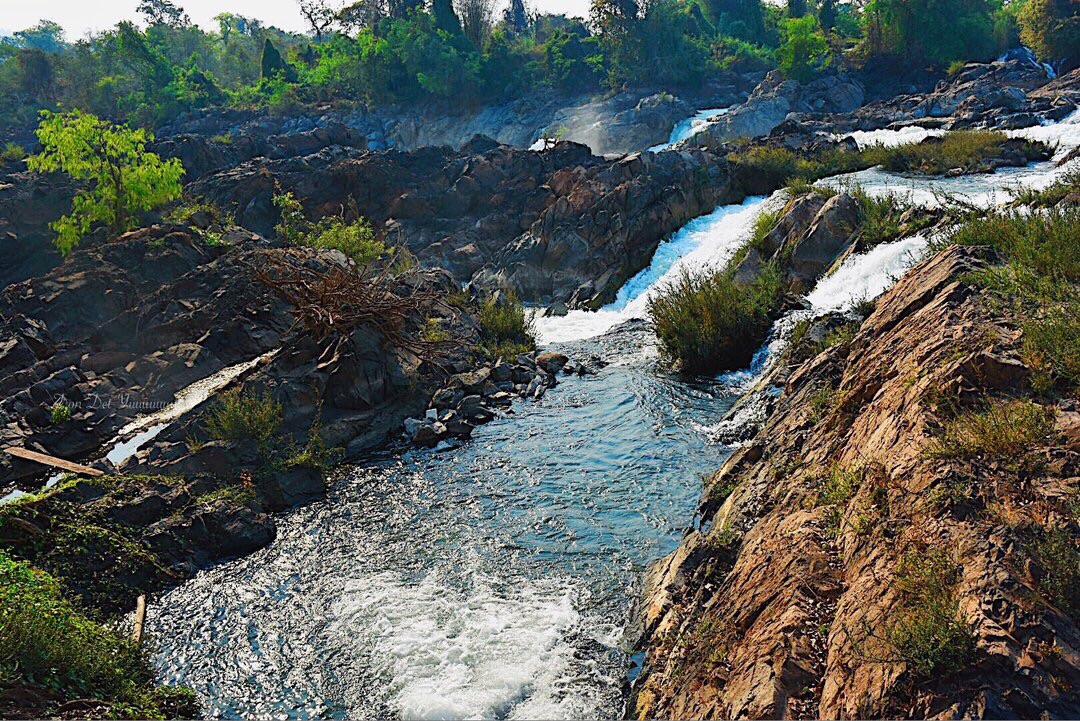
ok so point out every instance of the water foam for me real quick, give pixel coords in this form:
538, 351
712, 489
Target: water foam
476, 652
691, 126
865, 276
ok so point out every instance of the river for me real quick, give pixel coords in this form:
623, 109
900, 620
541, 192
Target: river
497, 578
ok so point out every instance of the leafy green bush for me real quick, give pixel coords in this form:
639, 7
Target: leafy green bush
47, 642
356, 240
60, 413
1068, 184
707, 322
240, 415
12, 153
506, 330
929, 634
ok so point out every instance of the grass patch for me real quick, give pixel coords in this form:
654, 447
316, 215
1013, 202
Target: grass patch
801, 186
1055, 551
964, 150
1003, 429
239, 415
708, 322
12, 153
1036, 282
929, 635
47, 642
837, 488
1068, 184
838, 336
823, 402
506, 330
879, 216
763, 225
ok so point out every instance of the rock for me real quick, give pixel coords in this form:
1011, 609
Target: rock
428, 434
551, 362
502, 371
828, 237
431, 414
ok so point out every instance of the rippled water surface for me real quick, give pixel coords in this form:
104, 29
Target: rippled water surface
488, 580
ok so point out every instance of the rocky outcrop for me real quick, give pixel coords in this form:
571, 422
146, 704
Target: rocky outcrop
774, 100
629, 121
1014, 93
561, 224
120, 328
785, 602
28, 203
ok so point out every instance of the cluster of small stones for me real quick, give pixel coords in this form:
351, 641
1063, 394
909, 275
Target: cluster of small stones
471, 399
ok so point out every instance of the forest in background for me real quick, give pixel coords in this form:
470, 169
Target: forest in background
385, 52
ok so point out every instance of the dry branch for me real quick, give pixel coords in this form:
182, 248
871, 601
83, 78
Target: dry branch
334, 300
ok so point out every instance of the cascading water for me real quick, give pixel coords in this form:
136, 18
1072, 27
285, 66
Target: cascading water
495, 578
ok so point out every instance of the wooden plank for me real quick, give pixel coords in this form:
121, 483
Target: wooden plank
53, 461
140, 620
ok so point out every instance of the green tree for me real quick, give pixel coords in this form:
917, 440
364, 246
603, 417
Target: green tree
920, 33
804, 50
1051, 28
163, 12
121, 178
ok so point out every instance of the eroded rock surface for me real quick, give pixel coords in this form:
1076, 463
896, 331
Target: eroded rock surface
781, 605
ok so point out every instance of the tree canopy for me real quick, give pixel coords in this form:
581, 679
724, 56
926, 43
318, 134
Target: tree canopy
119, 177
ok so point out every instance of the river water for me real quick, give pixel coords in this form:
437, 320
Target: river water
496, 578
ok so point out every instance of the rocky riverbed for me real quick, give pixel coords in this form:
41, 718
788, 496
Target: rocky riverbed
90, 346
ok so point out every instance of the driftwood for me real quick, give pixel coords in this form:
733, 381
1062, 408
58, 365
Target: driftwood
140, 620
53, 461
329, 301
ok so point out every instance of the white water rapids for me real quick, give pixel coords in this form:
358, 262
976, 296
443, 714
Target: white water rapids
493, 579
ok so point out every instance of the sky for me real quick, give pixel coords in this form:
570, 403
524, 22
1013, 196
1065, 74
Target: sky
81, 16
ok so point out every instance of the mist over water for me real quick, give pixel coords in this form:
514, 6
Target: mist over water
496, 578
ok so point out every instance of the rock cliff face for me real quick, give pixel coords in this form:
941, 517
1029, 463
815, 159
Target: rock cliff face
562, 224
834, 537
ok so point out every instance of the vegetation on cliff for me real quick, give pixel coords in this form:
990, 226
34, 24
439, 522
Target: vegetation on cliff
49, 644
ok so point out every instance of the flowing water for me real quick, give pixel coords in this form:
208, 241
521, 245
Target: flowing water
496, 578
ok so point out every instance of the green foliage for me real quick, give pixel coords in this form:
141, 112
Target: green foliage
1057, 553
921, 33
708, 322
929, 634
1038, 281
1003, 429
12, 153
837, 488
506, 330
240, 415
1065, 186
763, 225
879, 216
803, 52
60, 413
356, 239
963, 149
1051, 28
47, 642
124, 178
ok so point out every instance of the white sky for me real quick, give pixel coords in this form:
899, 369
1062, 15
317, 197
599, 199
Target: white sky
80, 16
